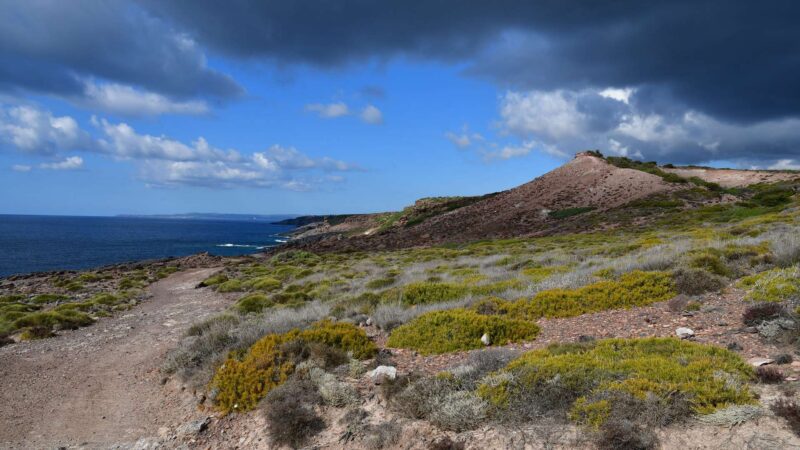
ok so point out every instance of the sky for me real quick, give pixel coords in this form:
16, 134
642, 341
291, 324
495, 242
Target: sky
318, 107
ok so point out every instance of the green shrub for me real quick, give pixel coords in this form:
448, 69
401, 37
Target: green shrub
105, 299
64, 319
231, 286
596, 373
74, 286
424, 292
253, 303
774, 285
380, 283
710, 262
263, 283
632, 289
569, 212
214, 280
242, 382
459, 329
48, 298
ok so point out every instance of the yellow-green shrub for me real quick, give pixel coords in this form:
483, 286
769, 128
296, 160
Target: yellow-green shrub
711, 377
253, 303
231, 286
426, 292
263, 283
214, 280
774, 285
241, 382
631, 289
459, 329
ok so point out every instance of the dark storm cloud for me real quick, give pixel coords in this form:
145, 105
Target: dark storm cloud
56, 47
733, 59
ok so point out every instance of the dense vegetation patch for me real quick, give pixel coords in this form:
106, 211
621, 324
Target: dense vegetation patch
459, 329
774, 285
245, 378
597, 378
569, 212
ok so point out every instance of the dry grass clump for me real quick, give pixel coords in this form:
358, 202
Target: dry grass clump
442, 401
769, 375
762, 312
382, 435
624, 434
789, 410
289, 411
693, 281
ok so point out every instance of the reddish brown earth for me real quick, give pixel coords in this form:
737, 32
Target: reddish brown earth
586, 181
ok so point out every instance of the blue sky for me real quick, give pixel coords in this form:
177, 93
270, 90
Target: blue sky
145, 107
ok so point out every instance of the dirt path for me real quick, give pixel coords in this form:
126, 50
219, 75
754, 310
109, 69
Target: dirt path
100, 385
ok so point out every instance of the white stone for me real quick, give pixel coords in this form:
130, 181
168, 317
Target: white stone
485, 339
369, 321
758, 362
384, 372
684, 333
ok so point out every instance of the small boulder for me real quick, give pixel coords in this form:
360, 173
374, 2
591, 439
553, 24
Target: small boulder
735, 347
758, 362
382, 373
485, 339
369, 321
684, 333
194, 427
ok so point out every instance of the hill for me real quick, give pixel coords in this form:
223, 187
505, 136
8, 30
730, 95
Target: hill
589, 192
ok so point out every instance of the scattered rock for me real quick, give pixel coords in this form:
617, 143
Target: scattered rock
193, 427
369, 321
485, 339
758, 362
381, 373
585, 338
735, 347
684, 333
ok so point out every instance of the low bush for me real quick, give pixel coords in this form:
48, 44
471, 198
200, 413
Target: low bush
334, 392
789, 411
214, 280
48, 298
762, 312
624, 434
693, 281
775, 285
632, 289
231, 286
54, 320
242, 381
263, 283
424, 292
710, 262
253, 303
595, 374
569, 212
381, 283
382, 435
769, 375
442, 401
290, 415
459, 329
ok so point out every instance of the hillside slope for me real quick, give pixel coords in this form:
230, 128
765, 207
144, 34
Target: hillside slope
586, 183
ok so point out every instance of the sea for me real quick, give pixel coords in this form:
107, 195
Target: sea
47, 243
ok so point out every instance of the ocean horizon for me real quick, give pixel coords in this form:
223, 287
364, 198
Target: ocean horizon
39, 243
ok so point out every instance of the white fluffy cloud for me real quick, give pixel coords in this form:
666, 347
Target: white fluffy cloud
329, 110
70, 163
164, 161
121, 99
21, 168
371, 115
35, 131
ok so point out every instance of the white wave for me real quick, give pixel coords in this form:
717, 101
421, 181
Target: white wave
238, 245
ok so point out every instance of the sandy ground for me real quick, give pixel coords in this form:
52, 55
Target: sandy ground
100, 385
